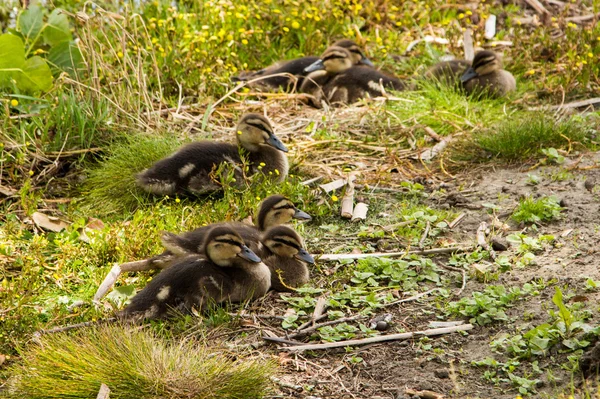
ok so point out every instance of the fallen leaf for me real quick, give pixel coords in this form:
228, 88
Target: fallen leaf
49, 222
94, 224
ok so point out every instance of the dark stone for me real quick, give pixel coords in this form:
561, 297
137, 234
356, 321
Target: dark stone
441, 373
499, 244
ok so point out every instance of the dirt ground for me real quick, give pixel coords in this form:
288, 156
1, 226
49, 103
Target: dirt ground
391, 370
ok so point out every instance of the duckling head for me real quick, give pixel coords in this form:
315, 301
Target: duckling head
358, 56
223, 246
485, 62
334, 60
285, 242
254, 131
276, 210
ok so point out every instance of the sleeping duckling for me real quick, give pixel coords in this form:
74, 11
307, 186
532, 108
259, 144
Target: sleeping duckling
335, 79
286, 257
296, 67
190, 169
485, 75
230, 271
274, 210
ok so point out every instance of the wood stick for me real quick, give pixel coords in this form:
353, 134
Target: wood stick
538, 7
425, 234
429, 153
327, 323
490, 27
434, 251
424, 394
456, 221
468, 45
320, 308
334, 185
311, 321
381, 338
412, 298
360, 212
481, 240
297, 388
104, 392
311, 181
348, 198
116, 271
281, 340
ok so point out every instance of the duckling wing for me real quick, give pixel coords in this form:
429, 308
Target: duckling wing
274, 163
188, 169
448, 71
293, 67
167, 289
357, 82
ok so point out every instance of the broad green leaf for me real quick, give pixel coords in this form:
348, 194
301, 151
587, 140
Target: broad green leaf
65, 57
57, 29
565, 315
31, 22
35, 76
12, 57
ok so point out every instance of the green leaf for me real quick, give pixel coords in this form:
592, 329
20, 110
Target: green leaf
12, 57
31, 22
35, 76
565, 315
57, 29
65, 57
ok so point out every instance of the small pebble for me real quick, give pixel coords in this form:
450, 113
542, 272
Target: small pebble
441, 373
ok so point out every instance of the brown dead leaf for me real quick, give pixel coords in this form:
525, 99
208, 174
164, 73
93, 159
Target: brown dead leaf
94, 224
50, 223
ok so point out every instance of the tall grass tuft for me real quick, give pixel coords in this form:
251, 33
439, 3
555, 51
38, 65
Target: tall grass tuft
522, 138
133, 364
111, 186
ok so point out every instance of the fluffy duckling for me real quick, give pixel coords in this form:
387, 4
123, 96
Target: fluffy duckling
296, 67
487, 76
191, 168
484, 75
286, 257
335, 79
274, 210
229, 271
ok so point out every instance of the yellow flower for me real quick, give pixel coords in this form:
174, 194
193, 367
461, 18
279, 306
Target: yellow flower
239, 132
530, 72
334, 198
263, 164
277, 172
257, 198
177, 200
14, 102
461, 15
120, 54
31, 173
244, 41
590, 54
295, 25
286, 29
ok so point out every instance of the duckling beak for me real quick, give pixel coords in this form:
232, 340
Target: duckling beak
315, 66
247, 254
305, 256
366, 61
468, 75
273, 141
301, 215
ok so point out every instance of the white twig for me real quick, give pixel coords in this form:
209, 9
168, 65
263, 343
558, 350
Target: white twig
360, 212
381, 338
434, 251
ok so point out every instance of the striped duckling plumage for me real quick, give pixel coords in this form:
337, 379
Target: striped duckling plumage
296, 68
334, 79
191, 169
484, 76
229, 271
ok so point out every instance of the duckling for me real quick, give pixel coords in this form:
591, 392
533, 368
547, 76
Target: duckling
229, 271
484, 75
296, 67
487, 76
273, 211
286, 257
335, 79
190, 169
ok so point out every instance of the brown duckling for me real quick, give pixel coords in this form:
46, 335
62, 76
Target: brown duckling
191, 168
229, 271
286, 257
335, 79
296, 67
273, 210
483, 76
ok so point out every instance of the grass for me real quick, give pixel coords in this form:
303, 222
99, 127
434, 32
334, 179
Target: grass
133, 363
108, 122
544, 209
